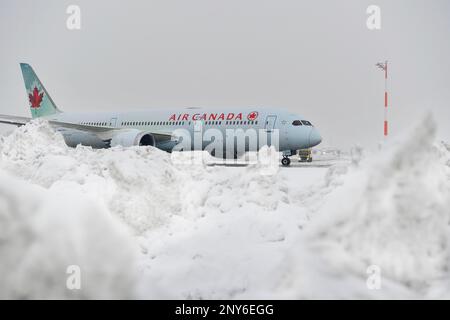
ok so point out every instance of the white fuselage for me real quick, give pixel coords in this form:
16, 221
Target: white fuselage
265, 121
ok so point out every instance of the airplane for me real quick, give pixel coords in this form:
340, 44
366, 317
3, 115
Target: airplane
159, 127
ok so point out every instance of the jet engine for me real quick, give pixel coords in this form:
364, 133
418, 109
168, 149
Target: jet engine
132, 137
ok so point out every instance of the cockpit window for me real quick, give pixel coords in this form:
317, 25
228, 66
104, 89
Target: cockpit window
297, 123
306, 123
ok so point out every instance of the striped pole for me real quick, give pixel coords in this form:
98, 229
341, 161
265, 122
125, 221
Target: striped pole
384, 67
385, 99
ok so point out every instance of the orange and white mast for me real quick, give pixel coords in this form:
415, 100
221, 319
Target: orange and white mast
384, 67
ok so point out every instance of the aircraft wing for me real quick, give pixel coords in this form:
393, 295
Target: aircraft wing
20, 121
15, 120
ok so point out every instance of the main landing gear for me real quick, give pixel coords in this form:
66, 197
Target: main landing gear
285, 161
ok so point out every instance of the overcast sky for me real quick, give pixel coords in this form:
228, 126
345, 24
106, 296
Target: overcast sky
315, 58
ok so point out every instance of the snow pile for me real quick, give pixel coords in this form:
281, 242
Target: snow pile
220, 231
179, 213
128, 182
43, 233
390, 211
139, 184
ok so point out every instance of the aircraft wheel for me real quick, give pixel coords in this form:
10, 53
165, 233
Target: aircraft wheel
285, 161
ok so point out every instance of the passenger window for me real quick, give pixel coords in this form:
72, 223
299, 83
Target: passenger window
297, 123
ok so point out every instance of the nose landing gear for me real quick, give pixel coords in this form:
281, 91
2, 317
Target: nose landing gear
285, 161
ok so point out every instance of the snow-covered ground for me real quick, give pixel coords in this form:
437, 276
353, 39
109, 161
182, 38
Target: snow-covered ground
141, 223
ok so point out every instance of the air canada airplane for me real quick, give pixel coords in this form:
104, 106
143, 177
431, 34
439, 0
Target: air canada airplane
164, 128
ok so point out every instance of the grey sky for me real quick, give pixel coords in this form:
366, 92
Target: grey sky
312, 57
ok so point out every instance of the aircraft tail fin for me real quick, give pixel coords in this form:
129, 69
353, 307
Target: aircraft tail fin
41, 104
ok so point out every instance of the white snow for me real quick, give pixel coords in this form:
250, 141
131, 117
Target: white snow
142, 223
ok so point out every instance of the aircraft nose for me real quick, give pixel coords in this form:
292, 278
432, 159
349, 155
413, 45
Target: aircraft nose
314, 137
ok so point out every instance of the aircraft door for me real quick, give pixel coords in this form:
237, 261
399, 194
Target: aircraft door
198, 126
270, 123
113, 122
197, 137
271, 136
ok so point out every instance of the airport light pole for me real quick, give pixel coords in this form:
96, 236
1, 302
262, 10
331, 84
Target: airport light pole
384, 67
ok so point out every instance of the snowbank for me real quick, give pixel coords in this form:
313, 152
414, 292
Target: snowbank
390, 210
44, 232
227, 232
